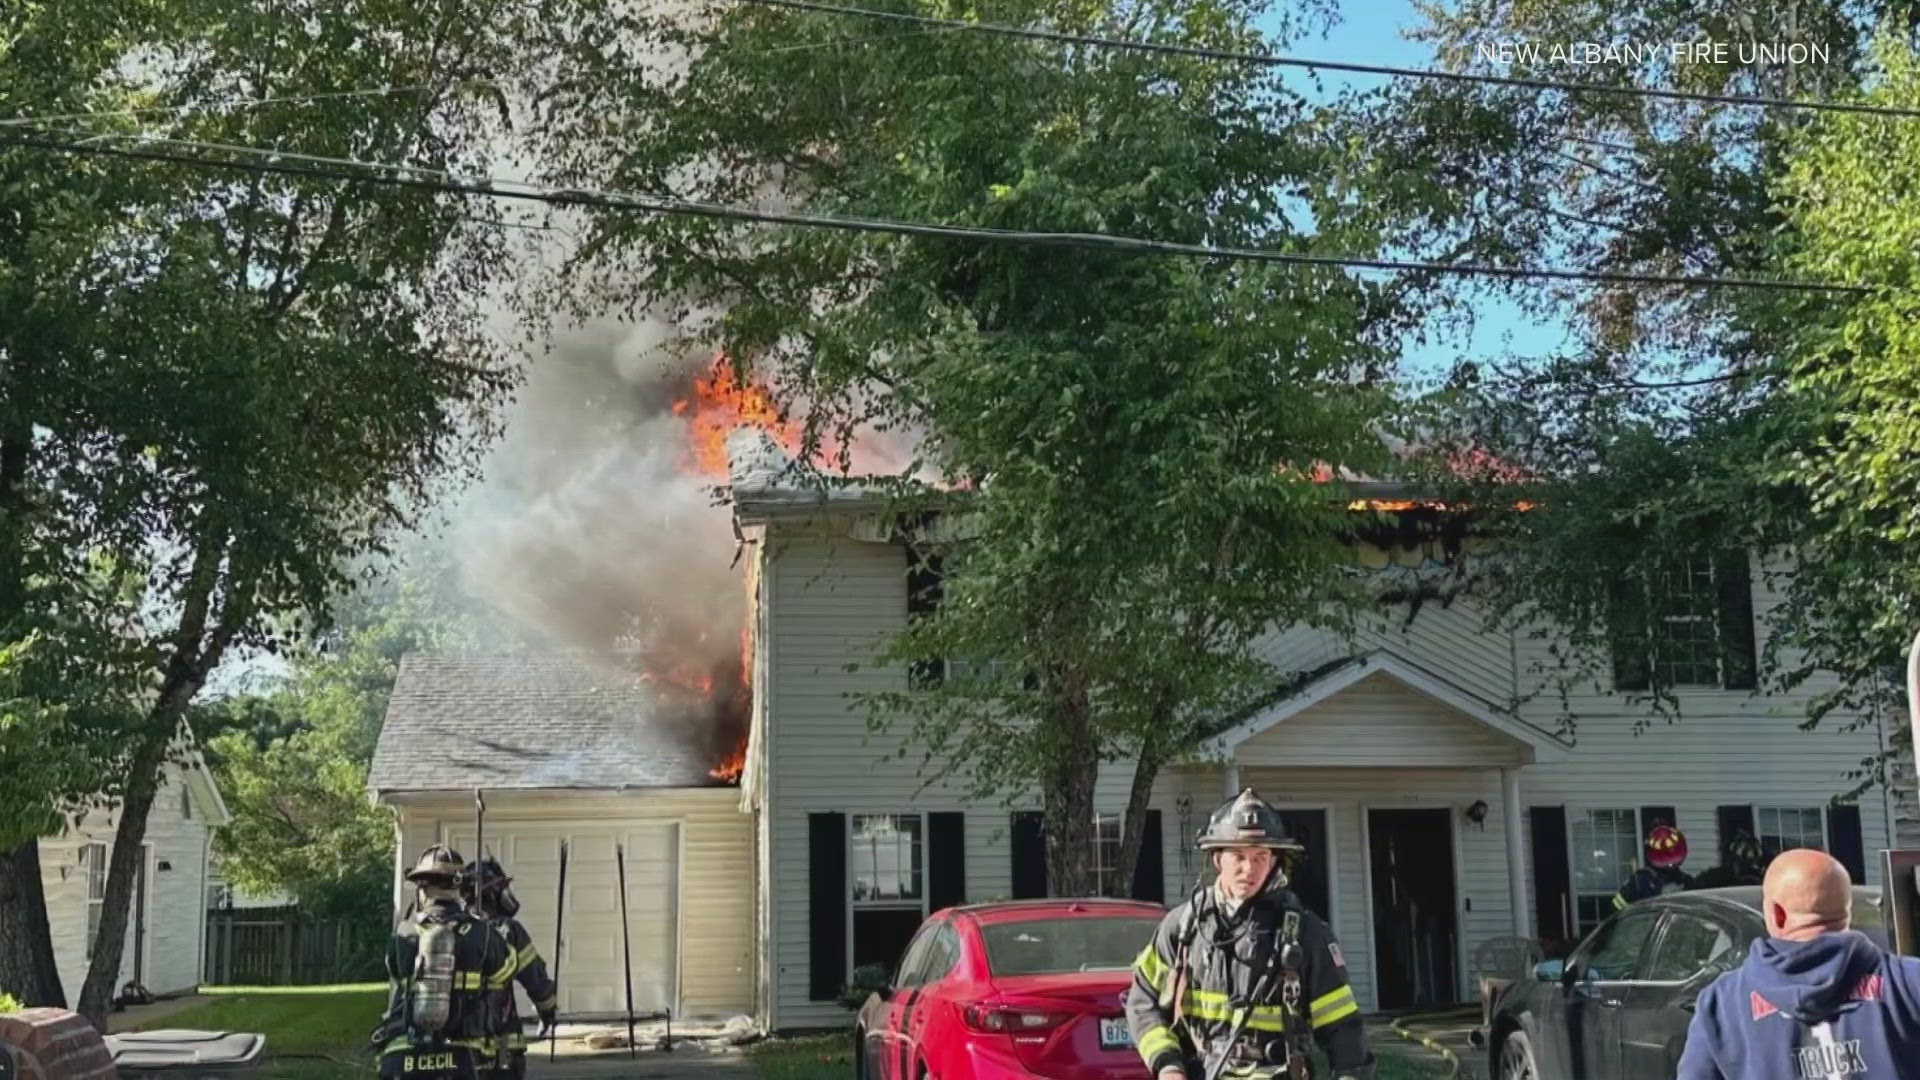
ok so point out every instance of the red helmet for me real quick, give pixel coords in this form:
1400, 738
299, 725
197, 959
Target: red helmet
1666, 847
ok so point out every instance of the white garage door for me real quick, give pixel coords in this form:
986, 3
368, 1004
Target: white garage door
590, 959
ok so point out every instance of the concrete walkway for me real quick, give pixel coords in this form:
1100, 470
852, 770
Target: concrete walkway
690, 1063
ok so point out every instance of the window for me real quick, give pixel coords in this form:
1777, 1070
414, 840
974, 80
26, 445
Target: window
1691, 946
935, 960
1106, 857
885, 863
1604, 850
1783, 828
1615, 955
1695, 627
1058, 946
94, 858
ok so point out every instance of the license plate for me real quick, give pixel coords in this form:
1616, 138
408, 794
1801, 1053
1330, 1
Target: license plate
1114, 1033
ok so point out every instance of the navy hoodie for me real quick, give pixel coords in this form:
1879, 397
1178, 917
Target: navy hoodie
1830, 1008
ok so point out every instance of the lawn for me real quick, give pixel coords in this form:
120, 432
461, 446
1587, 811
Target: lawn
313, 1032
830, 1057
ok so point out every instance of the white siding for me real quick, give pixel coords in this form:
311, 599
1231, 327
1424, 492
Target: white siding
1379, 744
1379, 721
176, 903
713, 926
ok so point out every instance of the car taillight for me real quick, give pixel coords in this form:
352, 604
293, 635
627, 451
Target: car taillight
1013, 1020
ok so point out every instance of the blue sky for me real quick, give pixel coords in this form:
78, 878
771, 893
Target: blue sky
1373, 32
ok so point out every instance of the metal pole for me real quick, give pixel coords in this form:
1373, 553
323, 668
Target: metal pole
559, 921
626, 951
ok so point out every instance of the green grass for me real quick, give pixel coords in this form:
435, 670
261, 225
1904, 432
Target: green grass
830, 1057
303, 1025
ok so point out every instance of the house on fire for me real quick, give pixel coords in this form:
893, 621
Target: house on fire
1439, 807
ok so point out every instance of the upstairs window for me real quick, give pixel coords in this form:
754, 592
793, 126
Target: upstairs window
1693, 628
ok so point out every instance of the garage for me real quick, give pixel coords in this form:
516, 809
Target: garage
688, 846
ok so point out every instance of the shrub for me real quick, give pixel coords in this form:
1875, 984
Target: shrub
8, 1003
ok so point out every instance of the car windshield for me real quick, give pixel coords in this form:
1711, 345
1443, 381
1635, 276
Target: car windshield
1054, 946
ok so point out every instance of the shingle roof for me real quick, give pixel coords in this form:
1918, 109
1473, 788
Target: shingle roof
501, 722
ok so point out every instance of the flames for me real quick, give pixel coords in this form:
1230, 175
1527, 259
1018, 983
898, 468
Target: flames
718, 403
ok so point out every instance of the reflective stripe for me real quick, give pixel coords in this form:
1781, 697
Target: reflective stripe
1151, 967
1209, 1005
542, 1006
1155, 1041
1619, 901
466, 980
527, 956
1333, 1006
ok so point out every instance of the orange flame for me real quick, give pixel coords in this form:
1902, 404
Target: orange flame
719, 404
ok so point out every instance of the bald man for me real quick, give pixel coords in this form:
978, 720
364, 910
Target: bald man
1815, 1000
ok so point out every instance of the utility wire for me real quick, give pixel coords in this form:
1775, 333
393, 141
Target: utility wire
403, 176
1279, 60
237, 103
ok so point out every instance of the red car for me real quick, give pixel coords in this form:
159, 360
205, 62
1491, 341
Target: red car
1025, 989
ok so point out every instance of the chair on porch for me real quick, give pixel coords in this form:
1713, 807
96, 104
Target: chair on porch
1498, 961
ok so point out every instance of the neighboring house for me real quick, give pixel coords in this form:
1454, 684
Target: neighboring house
222, 895
1440, 808
166, 927
563, 751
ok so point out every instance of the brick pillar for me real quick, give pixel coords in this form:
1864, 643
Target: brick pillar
54, 1044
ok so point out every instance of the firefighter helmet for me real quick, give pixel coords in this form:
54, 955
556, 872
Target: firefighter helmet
1247, 821
1666, 847
438, 865
486, 887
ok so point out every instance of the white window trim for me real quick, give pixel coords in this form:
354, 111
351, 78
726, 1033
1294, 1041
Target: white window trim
1574, 892
1826, 829
853, 905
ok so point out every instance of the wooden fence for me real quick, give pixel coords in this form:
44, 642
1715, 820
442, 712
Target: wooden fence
282, 947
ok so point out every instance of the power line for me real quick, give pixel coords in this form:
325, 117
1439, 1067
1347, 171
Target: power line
235, 103
423, 179
1279, 60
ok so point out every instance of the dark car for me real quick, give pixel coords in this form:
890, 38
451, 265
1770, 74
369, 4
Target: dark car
1619, 1005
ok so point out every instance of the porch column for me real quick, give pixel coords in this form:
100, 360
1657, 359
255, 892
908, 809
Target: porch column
1232, 779
1516, 857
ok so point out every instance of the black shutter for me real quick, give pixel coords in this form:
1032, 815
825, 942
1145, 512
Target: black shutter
1029, 855
826, 906
1551, 881
1733, 821
1738, 663
1626, 634
946, 861
924, 590
1844, 843
1656, 815
1149, 878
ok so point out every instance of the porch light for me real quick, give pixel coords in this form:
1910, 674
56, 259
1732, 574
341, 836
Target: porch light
1477, 813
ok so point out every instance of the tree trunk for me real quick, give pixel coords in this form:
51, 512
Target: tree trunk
143, 781
197, 648
1068, 799
1145, 770
27, 967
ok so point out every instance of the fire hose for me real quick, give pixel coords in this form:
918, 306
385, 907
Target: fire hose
1399, 1027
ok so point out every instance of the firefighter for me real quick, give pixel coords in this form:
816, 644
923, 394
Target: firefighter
1666, 850
439, 964
489, 895
1241, 980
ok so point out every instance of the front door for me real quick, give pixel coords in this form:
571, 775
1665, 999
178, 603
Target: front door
1308, 879
1415, 934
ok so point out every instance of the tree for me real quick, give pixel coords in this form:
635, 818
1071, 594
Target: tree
310, 354
1136, 435
292, 760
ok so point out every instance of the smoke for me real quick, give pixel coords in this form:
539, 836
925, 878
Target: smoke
588, 525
